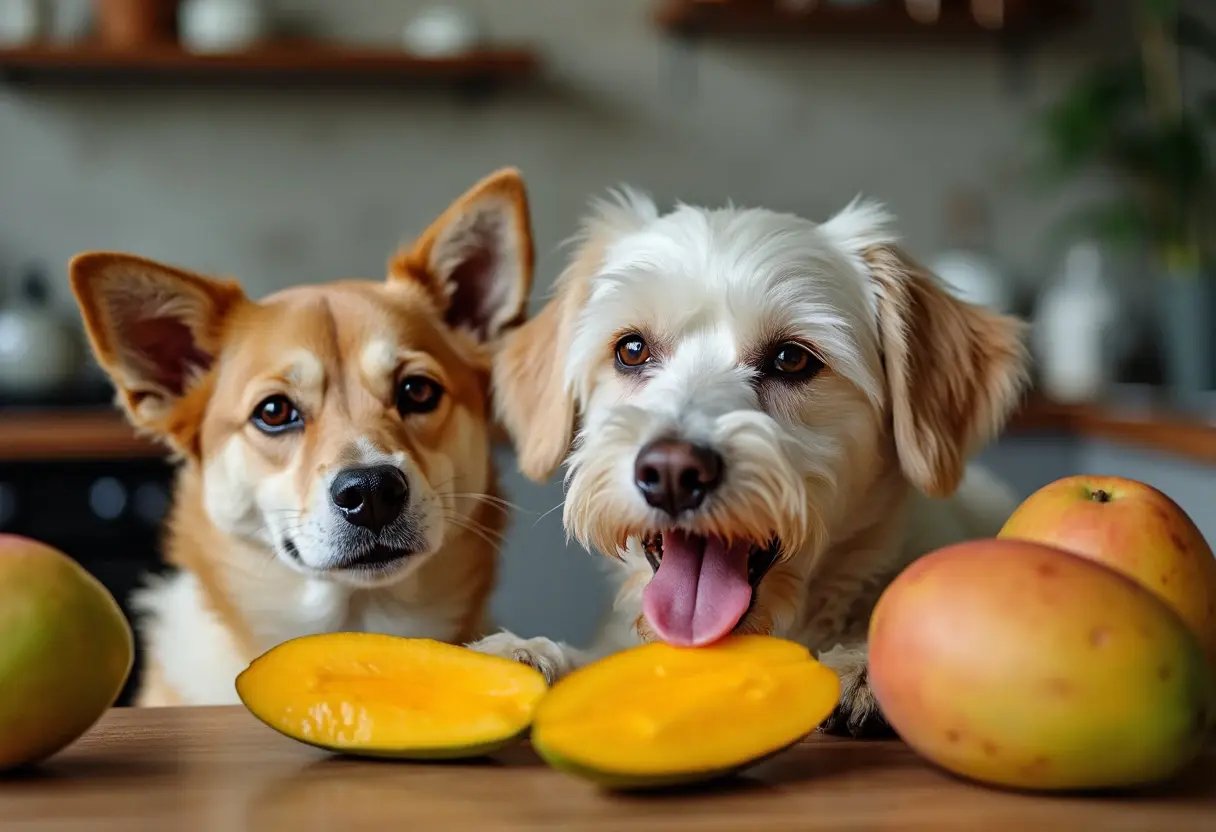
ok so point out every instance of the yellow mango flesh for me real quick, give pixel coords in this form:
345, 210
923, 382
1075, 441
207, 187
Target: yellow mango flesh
1022, 665
378, 695
65, 650
658, 715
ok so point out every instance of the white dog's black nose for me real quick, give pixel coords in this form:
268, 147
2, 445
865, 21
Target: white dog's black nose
370, 497
676, 476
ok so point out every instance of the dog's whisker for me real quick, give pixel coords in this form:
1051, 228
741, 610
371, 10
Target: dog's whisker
485, 534
470, 523
485, 498
547, 513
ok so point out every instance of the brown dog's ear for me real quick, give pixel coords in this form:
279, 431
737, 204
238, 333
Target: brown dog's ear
477, 258
954, 370
155, 330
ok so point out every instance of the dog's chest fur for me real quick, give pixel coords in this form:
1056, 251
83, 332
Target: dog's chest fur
842, 596
198, 654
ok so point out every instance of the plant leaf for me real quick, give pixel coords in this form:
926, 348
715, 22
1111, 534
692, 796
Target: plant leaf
1195, 34
1121, 224
1079, 128
1160, 9
1176, 156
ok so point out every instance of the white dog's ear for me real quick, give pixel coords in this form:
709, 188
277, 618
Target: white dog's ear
954, 370
533, 397
155, 330
476, 258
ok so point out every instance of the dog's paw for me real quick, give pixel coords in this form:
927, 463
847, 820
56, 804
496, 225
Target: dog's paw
553, 659
857, 715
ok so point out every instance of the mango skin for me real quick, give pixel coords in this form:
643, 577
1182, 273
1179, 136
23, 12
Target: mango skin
649, 782
65, 651
1024, 666
1132, 528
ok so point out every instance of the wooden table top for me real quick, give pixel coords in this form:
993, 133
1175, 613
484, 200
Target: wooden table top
219, 769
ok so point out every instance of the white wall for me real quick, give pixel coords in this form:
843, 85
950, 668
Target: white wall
298, 185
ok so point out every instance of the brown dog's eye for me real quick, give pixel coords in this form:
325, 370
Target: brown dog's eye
418, 394
276, 414
632, 351
793, 361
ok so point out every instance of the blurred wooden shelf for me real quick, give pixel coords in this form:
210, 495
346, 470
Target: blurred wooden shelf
60, 434
66, 433
1147, 428
882, 18
273, 62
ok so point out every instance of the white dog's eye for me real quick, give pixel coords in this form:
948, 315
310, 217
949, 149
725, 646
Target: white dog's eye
632, 351
793, 361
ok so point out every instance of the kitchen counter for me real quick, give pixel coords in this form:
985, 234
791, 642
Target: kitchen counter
220, 769
50, 434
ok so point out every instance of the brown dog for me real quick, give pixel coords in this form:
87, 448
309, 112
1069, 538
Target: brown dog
334, 441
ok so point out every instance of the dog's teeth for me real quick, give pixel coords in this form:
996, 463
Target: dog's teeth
652, 547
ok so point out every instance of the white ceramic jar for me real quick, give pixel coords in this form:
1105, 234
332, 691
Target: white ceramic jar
221, 25
444, 31
39, 351
21, 21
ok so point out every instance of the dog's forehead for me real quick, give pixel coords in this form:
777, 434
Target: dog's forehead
740, 256
748, 268
355, 324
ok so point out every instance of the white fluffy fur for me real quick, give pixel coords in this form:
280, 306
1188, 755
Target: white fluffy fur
814, 464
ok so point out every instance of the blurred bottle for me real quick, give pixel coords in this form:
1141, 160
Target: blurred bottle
967, 265
1074, 336
135, 24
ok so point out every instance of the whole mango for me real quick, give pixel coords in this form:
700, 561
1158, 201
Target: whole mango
65, 650
1022, 665
1132, 528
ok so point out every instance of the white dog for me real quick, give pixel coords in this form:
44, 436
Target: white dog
764, 420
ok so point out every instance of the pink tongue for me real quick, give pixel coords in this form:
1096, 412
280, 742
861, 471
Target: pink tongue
700, 590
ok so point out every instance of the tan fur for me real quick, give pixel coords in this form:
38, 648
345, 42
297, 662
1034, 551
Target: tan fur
538, 411
424, 261
154, 691
955, 370
192, 357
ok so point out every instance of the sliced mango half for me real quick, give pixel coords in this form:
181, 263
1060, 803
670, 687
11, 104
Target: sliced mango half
658, 715
382, 696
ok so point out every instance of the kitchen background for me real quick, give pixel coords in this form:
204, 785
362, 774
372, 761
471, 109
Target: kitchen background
221, 136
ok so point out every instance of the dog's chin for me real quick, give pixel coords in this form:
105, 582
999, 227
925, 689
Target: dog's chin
369, 566
704, 586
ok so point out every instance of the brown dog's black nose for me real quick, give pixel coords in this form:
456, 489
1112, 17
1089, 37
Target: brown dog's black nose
370, 497
676, 476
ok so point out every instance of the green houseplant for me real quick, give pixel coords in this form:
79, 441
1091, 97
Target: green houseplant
1138, 120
